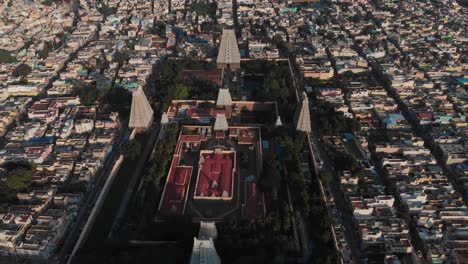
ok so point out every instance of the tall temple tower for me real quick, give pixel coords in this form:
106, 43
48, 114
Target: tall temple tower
204, 251
228, 55
141, 115
303, 118
224, 99
221, 123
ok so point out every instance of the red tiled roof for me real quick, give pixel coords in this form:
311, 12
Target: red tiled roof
246, 137
182, 175
190, 138
173, 201
206, 113
425, 115
210, 76
251, 203
461, 255
215, 176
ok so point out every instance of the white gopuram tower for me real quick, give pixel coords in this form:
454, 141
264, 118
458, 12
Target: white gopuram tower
221, 123
278, 122
224, 98
204, 251
141, 115
164, 119
228, 55
303, 118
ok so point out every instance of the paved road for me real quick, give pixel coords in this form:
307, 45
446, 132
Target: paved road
340, 203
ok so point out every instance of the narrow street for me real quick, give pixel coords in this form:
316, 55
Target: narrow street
136, 177
90, 199
340, 202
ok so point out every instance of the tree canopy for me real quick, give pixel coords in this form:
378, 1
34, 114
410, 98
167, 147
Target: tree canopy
203, 8
121, 57
105, 10
278, 41
271, 177
116, 100
44, 52
87, 93
22, 70
6, 57
131, 150
18, 175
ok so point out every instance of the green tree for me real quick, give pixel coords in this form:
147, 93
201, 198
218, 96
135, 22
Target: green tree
159, 28
327, 178
88, 94
118, 100
6, 57
278, 41
22, 70
243, 159
105, 10
344, 161
121, 57
271, 178
204, 8
44, 52
131, 150
361, 174
19, 179
181, 92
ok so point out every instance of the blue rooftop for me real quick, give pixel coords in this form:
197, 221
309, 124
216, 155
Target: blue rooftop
396, 116
266, 144
40, 140
243, 53
389, 121
348, 136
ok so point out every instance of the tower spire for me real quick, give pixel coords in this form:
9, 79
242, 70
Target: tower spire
224, 98
141, 115
303, 119
221, 123
228, 55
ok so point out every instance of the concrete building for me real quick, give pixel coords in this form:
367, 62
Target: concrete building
84, 125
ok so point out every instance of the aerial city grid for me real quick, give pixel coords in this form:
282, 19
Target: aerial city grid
233, 131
